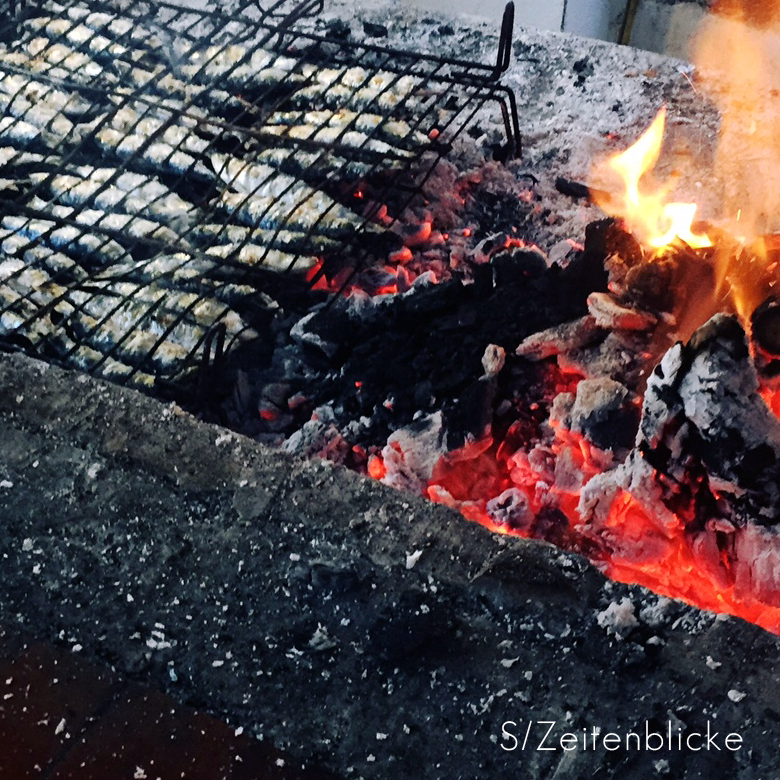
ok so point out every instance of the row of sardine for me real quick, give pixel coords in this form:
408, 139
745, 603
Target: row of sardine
147, 178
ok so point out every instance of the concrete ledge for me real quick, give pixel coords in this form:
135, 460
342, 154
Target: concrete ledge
276, 595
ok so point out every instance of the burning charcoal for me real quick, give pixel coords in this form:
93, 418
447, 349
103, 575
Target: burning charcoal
608, 238
276, 394
542, 460
560, 411
486, 248
577, 190
300, 333
705, 474
621, 356
651, 284
608, 313
412, 452
765, 324
319, 437
512, 265
511, 510
560, 339
603, 413
562, 253
415, 234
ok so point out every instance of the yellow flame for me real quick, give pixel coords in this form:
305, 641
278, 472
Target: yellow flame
638, 159
680, 217
647, 215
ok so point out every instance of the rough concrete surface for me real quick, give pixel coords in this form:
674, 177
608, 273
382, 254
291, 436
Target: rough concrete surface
351, 625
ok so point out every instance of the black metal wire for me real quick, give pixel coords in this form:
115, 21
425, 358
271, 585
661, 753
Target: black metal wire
183, 131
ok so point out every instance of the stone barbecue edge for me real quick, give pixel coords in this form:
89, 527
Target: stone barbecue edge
365, 630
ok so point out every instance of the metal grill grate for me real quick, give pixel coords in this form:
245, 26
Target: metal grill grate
158, 165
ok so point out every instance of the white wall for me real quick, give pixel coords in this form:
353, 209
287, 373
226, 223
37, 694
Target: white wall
595, 18
666, 28
658, 26
546, 14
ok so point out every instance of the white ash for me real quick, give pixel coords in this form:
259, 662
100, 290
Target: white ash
618, 617
319, 436
655, 613
511, 509
608, 313
493, 360
594, 401
560, 411
412, 452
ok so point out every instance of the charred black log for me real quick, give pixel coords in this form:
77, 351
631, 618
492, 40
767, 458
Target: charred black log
706, 464
765, 337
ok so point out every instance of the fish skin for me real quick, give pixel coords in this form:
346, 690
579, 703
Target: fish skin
314, 165
78, 35
263, 197
254, 255
158, 155
151, 199
51, 58
25, 134
43, 115
183, 272
19, 315
354, 139
168, 306
136, 193
130, 224
295, 242
297, 210
66, 238
378, 90
124, 335
240, 66
394, 131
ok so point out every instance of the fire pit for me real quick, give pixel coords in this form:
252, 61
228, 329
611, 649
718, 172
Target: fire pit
426, 310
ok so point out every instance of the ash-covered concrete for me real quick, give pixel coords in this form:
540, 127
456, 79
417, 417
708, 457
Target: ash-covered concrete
349, 624
579, 99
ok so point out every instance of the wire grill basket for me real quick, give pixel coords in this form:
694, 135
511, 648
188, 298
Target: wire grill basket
160, 164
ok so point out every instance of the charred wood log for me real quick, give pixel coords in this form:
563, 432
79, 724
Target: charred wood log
705, 468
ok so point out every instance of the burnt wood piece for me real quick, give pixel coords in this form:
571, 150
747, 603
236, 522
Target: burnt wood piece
765, 326
706, 466
765, 340
579, 191
704, 395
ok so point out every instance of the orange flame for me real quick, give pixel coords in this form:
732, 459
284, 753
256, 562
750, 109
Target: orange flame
647, 214
737, 54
